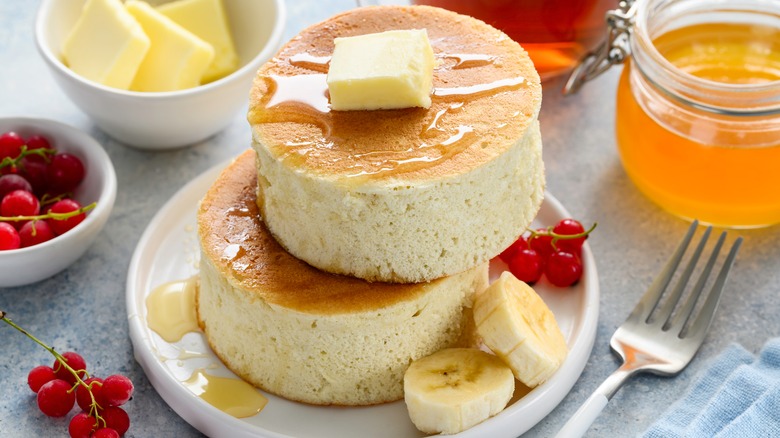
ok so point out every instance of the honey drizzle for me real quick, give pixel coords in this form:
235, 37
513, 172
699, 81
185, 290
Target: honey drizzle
171, 313
239, 212
230, 395
456, 143
468, 60
170, 309
479, 90
310, 90
310, 62
234, 253
304, 99
434, 125
462, 60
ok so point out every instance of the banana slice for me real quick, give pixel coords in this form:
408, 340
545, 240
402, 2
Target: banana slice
518, 327
455, 389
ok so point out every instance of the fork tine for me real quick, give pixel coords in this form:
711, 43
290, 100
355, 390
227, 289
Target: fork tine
665, 312
701, 324
683, 315
649, 300
649, 347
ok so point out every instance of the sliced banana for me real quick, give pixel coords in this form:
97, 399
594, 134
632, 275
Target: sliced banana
455, 389
518, 327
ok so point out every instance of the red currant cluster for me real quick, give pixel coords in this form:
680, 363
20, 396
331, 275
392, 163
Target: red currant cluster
36, 183
66, 383
554, 251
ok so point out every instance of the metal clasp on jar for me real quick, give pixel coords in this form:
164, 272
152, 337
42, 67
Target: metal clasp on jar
614, 50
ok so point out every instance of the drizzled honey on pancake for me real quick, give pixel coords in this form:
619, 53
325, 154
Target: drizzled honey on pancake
237, 242
484, 95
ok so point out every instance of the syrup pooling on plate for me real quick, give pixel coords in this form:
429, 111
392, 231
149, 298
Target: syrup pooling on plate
303, 98
170, 309
171, 314
228, 394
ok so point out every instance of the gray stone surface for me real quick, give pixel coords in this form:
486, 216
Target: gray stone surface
83, 308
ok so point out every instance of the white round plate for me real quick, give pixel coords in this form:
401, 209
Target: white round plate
168, 251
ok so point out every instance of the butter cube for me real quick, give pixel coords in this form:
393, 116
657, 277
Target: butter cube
176, 59
386, 70
106, 45
208, 21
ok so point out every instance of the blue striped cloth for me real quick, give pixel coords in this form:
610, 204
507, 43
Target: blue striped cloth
738, 395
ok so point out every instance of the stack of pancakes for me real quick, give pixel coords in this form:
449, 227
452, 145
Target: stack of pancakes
347, 244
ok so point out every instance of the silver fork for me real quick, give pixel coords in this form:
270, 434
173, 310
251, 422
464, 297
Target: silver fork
655, 338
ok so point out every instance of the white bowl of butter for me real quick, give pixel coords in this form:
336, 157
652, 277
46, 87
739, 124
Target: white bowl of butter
135, 111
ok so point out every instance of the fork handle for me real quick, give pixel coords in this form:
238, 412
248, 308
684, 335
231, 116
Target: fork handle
587, 413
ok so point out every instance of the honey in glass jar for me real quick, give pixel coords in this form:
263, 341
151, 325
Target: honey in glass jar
698, 109
555, 33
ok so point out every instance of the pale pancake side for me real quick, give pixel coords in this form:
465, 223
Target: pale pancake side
234, 237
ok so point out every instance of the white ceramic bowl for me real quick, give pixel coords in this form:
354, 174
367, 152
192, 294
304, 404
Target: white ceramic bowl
34, 263
169, 119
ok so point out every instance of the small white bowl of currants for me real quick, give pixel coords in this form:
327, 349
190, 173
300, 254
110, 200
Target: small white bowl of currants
57, 190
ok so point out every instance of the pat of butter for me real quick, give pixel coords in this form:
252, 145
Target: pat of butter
207, 20
176, 59
106, 45
386, 70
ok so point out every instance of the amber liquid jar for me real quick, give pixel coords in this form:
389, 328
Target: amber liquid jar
698, 109
555, 33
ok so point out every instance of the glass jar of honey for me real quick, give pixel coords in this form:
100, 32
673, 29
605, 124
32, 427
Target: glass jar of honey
698, 107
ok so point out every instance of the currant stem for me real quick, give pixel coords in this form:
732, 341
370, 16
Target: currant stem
49, 215
46, 199
29, 335
8, 161
556, 237
63, 362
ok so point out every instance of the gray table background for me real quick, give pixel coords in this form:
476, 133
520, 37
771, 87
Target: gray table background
83, 308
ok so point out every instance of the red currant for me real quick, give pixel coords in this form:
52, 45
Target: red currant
19, 203
82, 394
526, 265
75, 361
66, 172
116, 418
570, 227
10, 145
516, 246
563, 269
82, 425
34, 233
38, 142
105, 433
542, 244
36, 172
55, 398
11, 182
38, 376
65, 206
9, 237
117, 390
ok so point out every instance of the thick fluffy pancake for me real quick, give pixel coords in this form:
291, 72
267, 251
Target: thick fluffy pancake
305, 334
400, 195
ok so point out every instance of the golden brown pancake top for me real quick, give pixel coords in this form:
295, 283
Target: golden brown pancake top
486, 93
234, 237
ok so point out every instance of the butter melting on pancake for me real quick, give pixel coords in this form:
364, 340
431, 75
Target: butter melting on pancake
486, 93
